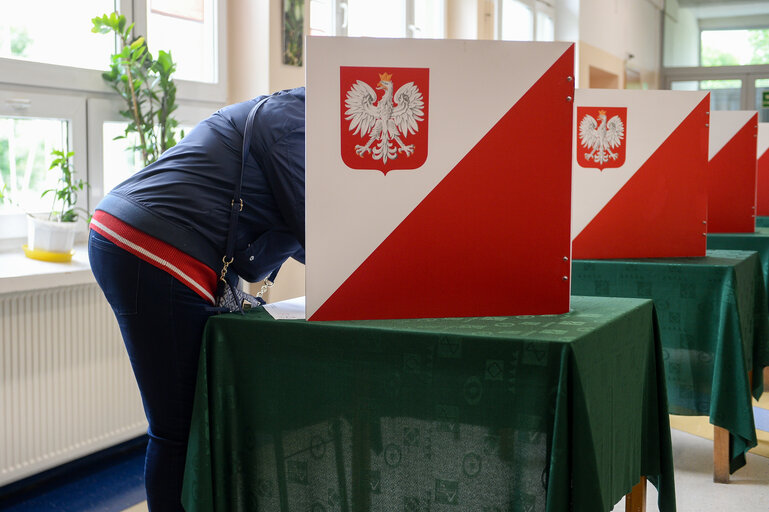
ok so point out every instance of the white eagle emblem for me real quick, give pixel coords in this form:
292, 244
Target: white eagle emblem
384, 121
601, 136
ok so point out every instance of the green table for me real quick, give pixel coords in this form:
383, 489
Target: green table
758, 241
536, 413
714, 329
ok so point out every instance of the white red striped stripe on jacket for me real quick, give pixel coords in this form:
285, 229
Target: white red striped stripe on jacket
196, 275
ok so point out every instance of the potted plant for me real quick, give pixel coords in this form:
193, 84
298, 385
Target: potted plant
51, 236
145, 85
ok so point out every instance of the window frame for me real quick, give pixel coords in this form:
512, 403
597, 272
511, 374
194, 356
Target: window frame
51, 87
748, 75
38, 74
101, 110
339, 15
19, 103
537, 7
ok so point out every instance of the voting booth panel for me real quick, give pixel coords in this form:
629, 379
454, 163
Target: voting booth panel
762, 172
639, 174
732, 171
438, 178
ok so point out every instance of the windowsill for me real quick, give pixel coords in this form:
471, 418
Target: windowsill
20, 274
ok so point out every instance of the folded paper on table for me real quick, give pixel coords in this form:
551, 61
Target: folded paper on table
290, 309
470, 221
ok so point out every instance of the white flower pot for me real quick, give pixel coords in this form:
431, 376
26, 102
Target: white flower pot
50, 236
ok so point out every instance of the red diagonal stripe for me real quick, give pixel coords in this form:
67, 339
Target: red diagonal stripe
490, 238
732, 183
660, 211
762, 185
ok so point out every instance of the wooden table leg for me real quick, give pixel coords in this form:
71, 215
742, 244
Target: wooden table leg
635, 501
766, 378
720, 455
721, 447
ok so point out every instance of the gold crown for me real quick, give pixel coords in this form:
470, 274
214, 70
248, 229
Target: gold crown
385, 77
601, 112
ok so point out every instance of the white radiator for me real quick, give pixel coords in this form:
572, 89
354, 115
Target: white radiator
66, 386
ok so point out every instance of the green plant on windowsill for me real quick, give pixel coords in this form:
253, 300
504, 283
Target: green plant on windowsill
146, 86
51, 236
65, 193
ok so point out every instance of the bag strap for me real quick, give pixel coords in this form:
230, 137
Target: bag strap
236, 205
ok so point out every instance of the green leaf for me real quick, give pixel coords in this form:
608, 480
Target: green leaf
137, 43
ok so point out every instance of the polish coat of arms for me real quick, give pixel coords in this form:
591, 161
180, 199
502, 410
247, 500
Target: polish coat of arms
601, 138
384, 117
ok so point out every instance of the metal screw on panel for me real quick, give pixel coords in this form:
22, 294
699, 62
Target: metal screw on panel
565, 278
707, 124
569, 78
565, 258
568, 98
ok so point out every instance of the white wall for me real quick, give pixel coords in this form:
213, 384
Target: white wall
681, 36
248, 46
623, 28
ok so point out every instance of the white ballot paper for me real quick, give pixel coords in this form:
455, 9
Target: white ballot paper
291, 309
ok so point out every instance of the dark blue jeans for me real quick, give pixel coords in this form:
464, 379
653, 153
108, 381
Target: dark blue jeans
162, 322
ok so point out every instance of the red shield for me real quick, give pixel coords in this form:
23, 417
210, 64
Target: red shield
384, 117
601, 136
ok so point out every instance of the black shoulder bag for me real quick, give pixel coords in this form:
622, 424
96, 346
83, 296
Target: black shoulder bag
228, 295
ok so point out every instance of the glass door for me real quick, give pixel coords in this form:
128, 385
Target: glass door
762, 99
724, 94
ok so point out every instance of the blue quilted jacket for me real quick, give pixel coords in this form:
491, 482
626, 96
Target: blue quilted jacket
184, 197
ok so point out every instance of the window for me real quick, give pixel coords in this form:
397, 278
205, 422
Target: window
27, 34
188, 30
724, 94
734, 47
25, 155
373, 18
31, 126
761, 86
67, 77
516, 21
525, 20
720, 46
111, 155
715, 33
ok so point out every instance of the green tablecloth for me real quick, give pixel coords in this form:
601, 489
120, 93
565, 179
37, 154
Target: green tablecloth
758, 241
714, 329
535, 413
